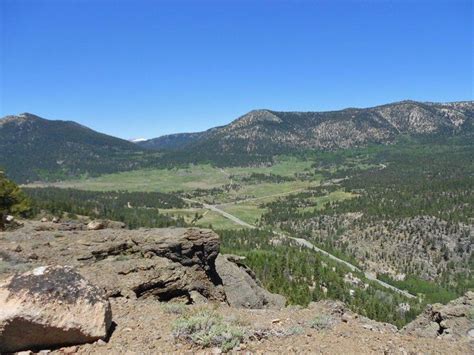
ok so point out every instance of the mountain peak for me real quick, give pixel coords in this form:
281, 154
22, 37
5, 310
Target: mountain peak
19, 119
28, 115
256, 116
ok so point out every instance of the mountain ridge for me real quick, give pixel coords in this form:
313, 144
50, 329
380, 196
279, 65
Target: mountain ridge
264, 128
34, 148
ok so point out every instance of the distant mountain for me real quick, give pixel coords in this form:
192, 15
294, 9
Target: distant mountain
33, 148
270, 132
171, 141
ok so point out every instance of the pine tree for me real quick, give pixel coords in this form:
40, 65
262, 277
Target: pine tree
12, 200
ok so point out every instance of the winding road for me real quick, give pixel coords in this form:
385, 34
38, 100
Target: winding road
304, 243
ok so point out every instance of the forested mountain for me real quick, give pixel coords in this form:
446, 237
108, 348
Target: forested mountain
269, 132
33, 148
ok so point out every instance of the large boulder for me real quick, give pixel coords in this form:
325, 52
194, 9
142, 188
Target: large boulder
51, 306
453, 320
242, 288
163, 263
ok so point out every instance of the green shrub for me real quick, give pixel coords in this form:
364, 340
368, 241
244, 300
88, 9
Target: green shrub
206, 328
294, 330
173, 308
321, 322
12, 200
470, 314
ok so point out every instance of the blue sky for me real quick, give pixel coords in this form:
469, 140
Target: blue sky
143, 68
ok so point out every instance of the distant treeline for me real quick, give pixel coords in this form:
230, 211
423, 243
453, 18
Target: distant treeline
136, 209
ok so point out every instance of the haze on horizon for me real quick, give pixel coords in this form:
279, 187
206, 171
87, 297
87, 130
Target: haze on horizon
147, 68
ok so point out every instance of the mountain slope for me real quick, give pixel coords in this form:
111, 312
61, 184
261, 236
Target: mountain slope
268, 132
171, 141
33, 148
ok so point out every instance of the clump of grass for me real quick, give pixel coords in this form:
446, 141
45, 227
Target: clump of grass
470, 315
173, 308
321, 322
294, 330
121, 258
207, 328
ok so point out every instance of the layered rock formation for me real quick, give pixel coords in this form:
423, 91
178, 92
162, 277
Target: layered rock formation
453, 320
164, 263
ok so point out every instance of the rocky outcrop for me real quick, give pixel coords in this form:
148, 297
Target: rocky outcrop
159, 263
242, 288
50, 307
453, 320
163, 264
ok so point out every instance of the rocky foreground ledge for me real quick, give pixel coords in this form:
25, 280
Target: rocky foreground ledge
67, 290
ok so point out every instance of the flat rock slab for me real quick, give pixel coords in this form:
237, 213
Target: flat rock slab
51, 306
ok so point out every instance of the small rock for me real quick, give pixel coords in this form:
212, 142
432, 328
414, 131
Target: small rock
33, 256
95, 225
70, 350
276, 320
18, 249
470, 333
100, 342
55, 220
44, 219
346, 318
9, 219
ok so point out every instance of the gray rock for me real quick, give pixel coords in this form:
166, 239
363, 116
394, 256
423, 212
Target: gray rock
95, 225
446, 321
241, 287
114, 224
159, 263
51, 306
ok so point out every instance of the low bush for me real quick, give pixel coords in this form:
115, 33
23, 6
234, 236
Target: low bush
206, 328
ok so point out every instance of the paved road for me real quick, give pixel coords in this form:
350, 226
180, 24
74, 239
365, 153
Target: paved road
263, 197
227, 215
307, 244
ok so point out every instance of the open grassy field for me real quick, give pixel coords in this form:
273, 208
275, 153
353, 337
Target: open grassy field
248, 212
201, 176
160, 180
238, 196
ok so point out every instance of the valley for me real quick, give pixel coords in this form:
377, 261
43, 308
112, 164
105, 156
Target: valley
377, 226
242, 177
358, 205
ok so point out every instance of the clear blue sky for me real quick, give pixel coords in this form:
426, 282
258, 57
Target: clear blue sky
144, 68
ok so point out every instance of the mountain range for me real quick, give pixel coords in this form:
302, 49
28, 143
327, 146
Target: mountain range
266, 131
33, 148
